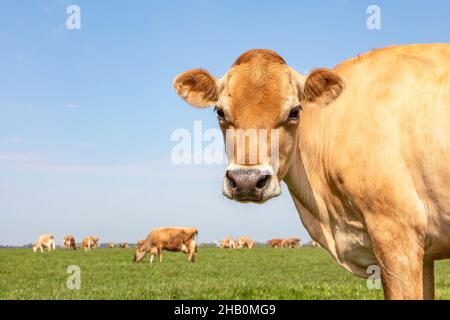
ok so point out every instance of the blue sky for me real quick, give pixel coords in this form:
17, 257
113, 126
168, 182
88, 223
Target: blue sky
86, 115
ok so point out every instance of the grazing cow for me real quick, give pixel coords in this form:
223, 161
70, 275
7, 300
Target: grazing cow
364, 149
170, 239
291, 243
228, 243
123, 245
45, 241
69, 243
89, 243
111, 245
244, 242
275, 243
314, 244
139, 243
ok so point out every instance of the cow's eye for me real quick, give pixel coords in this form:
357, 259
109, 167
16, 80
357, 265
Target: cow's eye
220, 113
295, 113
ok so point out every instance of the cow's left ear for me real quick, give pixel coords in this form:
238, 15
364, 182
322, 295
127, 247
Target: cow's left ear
321, 87
197, 87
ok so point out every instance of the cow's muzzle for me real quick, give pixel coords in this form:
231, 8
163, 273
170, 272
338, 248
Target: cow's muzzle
255, 183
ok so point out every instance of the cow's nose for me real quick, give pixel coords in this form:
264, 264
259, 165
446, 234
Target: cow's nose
247, 184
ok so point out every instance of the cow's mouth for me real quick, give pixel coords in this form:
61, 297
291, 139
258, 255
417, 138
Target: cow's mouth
259, 200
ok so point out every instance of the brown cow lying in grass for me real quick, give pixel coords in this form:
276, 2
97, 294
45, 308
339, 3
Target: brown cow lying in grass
170, 239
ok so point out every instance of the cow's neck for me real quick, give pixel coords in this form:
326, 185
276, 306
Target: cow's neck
305, 180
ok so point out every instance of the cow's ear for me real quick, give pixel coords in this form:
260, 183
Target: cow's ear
321, 87
197, 87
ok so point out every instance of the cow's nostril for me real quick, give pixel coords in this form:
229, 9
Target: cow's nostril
262, 182
231, 182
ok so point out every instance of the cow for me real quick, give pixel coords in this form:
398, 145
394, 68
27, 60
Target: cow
123, 245
170, 239
90, 242
228, 243
139, 243
111, 245
291, 243
69, 243
275, 243
244, 242
314, 244
45, 241
364, 149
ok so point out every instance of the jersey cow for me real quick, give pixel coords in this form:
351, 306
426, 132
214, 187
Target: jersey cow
69, 243
275, 243
170, 239
364, 149
228, 243
244, 242
291, 243
45, 241
89, 243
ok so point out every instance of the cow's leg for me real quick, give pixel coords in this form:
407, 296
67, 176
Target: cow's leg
400, 258
191, 254
151, 258
160, 253
428, 279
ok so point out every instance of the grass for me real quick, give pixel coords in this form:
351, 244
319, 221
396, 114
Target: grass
260, 273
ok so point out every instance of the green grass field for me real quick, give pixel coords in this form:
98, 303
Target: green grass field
260, 273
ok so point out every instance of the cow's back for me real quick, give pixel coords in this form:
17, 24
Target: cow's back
171, 238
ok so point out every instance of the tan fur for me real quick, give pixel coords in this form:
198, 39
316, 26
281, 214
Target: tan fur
139, 243
367, 163
275, 243
170, 239
245, 242
45, 241
90, 242
291, 243
69, 243
314, 244
228, 243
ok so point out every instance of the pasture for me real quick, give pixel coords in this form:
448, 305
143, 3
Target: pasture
260, 273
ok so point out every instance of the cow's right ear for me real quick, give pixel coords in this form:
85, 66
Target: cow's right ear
322, 87
197, 87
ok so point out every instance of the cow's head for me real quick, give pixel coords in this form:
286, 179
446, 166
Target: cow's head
139, 255
258, 104
142, 251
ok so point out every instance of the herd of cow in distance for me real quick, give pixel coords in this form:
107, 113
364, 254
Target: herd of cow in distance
170, 239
